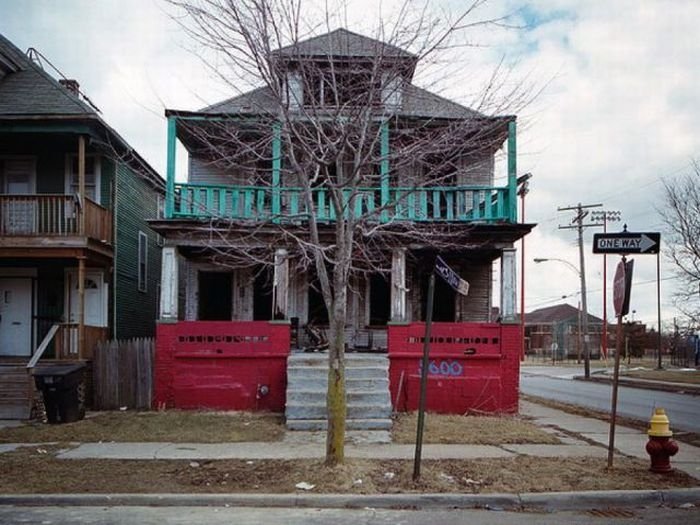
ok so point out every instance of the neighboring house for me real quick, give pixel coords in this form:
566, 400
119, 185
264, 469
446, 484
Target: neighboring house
218, 315
556, 332
76, 252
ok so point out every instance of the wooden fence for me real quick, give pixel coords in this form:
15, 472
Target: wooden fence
123, 374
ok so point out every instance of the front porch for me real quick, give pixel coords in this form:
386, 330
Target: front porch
248, 366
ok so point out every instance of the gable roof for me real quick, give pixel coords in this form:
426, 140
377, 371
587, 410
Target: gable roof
29, 92
343, 43
557, 314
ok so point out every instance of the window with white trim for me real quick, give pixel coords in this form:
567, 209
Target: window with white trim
143, 261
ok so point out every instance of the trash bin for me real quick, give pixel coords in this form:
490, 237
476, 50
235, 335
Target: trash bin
60, 385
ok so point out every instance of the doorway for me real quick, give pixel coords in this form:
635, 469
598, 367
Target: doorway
262, 295
15, 317
215, 296
96, 300
444, 309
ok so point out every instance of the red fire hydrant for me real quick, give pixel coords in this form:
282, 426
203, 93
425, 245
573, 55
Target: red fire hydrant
660, 445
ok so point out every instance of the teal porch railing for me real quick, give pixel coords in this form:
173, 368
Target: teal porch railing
281, 204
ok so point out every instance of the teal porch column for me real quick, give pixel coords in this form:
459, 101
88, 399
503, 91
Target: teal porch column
384, 170
276, 169
170, 169
512, 173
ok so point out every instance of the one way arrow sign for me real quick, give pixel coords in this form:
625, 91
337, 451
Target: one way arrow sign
626, 242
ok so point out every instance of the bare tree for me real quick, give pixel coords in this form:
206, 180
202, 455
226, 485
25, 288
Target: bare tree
681, 214
318, 120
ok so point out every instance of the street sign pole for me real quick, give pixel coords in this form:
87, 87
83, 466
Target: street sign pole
658, 312
616, 380
424, 377
622, 288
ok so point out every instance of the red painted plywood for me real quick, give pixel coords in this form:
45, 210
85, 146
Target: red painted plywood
473, 367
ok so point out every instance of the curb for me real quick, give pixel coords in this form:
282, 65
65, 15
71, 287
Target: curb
547, 502
676, 388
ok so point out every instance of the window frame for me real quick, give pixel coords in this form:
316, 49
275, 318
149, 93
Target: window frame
68, 175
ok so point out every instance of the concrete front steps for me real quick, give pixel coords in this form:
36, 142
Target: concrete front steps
367, 391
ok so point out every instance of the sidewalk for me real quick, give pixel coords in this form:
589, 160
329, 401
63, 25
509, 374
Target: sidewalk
580, 437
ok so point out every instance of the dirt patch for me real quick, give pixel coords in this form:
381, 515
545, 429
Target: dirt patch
691, 377
173, 426
690, 438
474, 430
33, 470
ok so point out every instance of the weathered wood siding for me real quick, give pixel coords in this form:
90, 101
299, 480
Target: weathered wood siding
135, 202
123, 374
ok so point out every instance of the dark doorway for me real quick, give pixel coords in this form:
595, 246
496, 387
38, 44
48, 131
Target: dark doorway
443, 302
262, 296
379, 300
318, 313
215, 296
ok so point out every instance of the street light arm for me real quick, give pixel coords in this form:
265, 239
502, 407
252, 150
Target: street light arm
541, 260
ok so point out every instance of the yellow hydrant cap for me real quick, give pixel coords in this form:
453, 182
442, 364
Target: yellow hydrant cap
659, 424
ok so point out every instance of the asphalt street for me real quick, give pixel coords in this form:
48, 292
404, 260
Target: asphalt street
683, 410
294, 516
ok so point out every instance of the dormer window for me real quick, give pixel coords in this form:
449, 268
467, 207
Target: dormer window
342, 88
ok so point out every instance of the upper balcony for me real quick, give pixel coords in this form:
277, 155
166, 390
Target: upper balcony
384, 202
45, 221
287, 204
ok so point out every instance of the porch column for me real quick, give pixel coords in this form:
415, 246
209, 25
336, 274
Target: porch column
81, 307
169, 284
81, 183
280, 285
398, 285
170, 173
384, 170
512, 173
276, 169
508, 285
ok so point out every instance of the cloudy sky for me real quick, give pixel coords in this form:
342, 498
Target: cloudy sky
615, 116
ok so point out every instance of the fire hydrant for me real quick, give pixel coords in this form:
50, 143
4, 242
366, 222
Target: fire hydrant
660, 445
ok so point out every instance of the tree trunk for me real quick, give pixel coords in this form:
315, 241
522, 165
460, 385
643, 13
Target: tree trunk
335, 399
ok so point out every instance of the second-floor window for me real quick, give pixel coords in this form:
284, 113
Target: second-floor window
92, 177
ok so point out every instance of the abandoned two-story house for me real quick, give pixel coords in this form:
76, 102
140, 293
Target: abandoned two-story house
78, 262
238, 292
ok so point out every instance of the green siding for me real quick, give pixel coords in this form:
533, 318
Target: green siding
135, 202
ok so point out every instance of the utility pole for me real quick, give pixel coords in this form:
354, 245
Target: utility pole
577, 223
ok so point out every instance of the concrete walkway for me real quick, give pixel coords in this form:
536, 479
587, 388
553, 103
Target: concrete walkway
579, 436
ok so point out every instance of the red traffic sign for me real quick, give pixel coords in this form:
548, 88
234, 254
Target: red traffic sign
622, 287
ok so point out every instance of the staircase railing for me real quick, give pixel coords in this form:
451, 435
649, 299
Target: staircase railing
43, 346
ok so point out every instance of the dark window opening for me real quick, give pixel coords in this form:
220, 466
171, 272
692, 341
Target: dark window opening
215, 296
379, 300
318, 313
443, 302
262, 296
